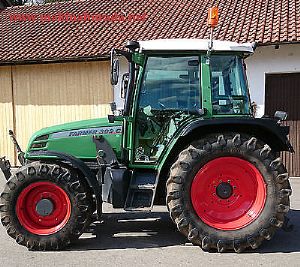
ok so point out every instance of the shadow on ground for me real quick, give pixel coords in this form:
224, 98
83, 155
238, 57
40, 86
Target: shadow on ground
156, 230
285, 241
131, 230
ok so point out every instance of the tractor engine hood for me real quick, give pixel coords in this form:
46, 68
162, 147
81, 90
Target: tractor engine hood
75, 138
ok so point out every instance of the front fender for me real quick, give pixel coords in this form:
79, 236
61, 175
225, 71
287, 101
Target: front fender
77, 163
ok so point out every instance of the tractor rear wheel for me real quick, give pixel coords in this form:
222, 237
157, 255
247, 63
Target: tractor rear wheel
228, 192
44, 206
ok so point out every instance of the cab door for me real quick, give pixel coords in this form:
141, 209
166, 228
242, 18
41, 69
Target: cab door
168, 90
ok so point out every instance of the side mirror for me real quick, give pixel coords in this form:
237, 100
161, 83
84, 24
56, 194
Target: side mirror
124, 84
113, 106
254, 108
114, 68
280, 115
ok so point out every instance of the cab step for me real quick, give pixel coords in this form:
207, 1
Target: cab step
141, 191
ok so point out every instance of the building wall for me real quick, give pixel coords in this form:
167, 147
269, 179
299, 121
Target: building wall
42, 95
6, 112
267, 59
37, 96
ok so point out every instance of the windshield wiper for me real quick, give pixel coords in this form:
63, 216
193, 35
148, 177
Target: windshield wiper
195, 112
177, 111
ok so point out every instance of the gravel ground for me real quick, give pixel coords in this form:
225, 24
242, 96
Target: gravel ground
150, 239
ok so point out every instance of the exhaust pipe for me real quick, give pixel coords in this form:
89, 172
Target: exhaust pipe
19, 151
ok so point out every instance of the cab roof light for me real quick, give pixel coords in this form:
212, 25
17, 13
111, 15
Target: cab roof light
213, 17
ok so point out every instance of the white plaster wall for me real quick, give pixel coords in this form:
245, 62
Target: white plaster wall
267, 59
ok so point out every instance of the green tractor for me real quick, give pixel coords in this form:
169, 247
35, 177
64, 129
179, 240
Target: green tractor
186, 138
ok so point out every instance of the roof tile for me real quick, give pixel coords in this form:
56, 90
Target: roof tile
265, 22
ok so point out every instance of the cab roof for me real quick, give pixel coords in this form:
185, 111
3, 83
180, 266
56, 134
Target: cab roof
194, 45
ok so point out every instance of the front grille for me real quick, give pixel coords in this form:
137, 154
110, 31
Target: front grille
40, 142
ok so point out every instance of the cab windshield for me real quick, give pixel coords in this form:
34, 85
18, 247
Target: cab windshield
228, 85
171, 83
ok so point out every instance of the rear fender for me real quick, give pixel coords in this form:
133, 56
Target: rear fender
268, 130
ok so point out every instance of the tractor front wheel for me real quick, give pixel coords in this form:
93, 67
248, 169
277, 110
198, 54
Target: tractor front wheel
44, 206
228, 192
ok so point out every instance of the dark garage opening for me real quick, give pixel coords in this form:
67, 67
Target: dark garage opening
283, 93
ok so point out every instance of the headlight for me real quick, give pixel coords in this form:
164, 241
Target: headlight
42, 137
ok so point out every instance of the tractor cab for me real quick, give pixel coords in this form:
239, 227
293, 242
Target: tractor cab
172, 82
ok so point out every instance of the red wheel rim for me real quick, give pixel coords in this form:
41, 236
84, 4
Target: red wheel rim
27, 208
228, 193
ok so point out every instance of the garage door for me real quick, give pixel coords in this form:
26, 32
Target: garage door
283, 93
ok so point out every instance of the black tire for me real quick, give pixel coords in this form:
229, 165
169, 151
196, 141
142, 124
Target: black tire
91, 202
245, 147
65, 179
